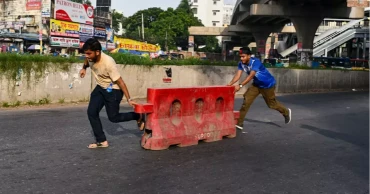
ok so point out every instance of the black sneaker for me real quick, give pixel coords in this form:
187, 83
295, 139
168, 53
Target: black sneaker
289, 117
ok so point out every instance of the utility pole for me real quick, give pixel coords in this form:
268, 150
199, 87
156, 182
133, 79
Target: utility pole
40, 28
142, 25
166, 43
138, 29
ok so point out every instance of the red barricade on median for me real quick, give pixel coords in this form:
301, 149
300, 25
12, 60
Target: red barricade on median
183, 116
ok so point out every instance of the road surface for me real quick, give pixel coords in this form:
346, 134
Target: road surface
324, 150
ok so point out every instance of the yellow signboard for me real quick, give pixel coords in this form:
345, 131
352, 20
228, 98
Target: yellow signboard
129, 44
62, 28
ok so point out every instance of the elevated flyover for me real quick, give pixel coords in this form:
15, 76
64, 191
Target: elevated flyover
259, 18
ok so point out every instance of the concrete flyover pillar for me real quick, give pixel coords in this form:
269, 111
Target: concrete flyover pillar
224, 50
349, 48
364, 48
357, 48
306, 28
260, 38
191, 45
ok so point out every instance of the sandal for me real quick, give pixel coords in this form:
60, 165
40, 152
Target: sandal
141, 122
146, 135
98, 145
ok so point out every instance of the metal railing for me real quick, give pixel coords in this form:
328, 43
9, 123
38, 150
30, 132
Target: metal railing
325, 37
334, 42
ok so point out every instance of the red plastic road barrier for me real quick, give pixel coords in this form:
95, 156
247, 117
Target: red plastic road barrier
183, 116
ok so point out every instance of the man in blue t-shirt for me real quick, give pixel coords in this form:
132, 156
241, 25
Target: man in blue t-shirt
263, 83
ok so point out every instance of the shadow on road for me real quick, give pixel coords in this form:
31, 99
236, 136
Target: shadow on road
262, 122
339, 136
115, 129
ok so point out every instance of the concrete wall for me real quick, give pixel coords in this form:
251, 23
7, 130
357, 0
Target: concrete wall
55, 85
295, 80
68, 86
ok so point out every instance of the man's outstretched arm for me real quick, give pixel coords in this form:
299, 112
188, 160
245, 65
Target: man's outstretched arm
236, 77
249, 78
246, 81
123, 87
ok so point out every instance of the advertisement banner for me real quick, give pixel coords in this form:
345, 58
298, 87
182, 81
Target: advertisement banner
46, 7
64, 42
129, 44
191, 41
12, 25
33, 5
101, 22
86, 32
111, 46
100, 33
103, 45
61, 28
110, 34
73, 12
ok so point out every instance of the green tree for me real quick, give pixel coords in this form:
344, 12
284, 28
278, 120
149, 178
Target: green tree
117, 18
184, 6
210, 42
133, 23
168, 27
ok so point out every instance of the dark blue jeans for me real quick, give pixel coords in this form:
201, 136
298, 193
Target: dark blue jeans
111, 100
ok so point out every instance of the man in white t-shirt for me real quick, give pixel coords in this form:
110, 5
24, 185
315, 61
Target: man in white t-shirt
108, 92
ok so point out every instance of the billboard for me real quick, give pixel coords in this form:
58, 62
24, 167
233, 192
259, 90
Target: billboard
62, 28
110, 46
64, 42
129, 44
33, 5
11, 27
110, 34
73, 12
100, 33
101, 22
86, 32
103, 45
46, 7
191, 41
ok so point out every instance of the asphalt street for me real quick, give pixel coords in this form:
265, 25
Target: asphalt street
324, 150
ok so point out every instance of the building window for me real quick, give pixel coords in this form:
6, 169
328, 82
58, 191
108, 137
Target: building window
195, 1
214, 24
214, 2
214, 13
195, 10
